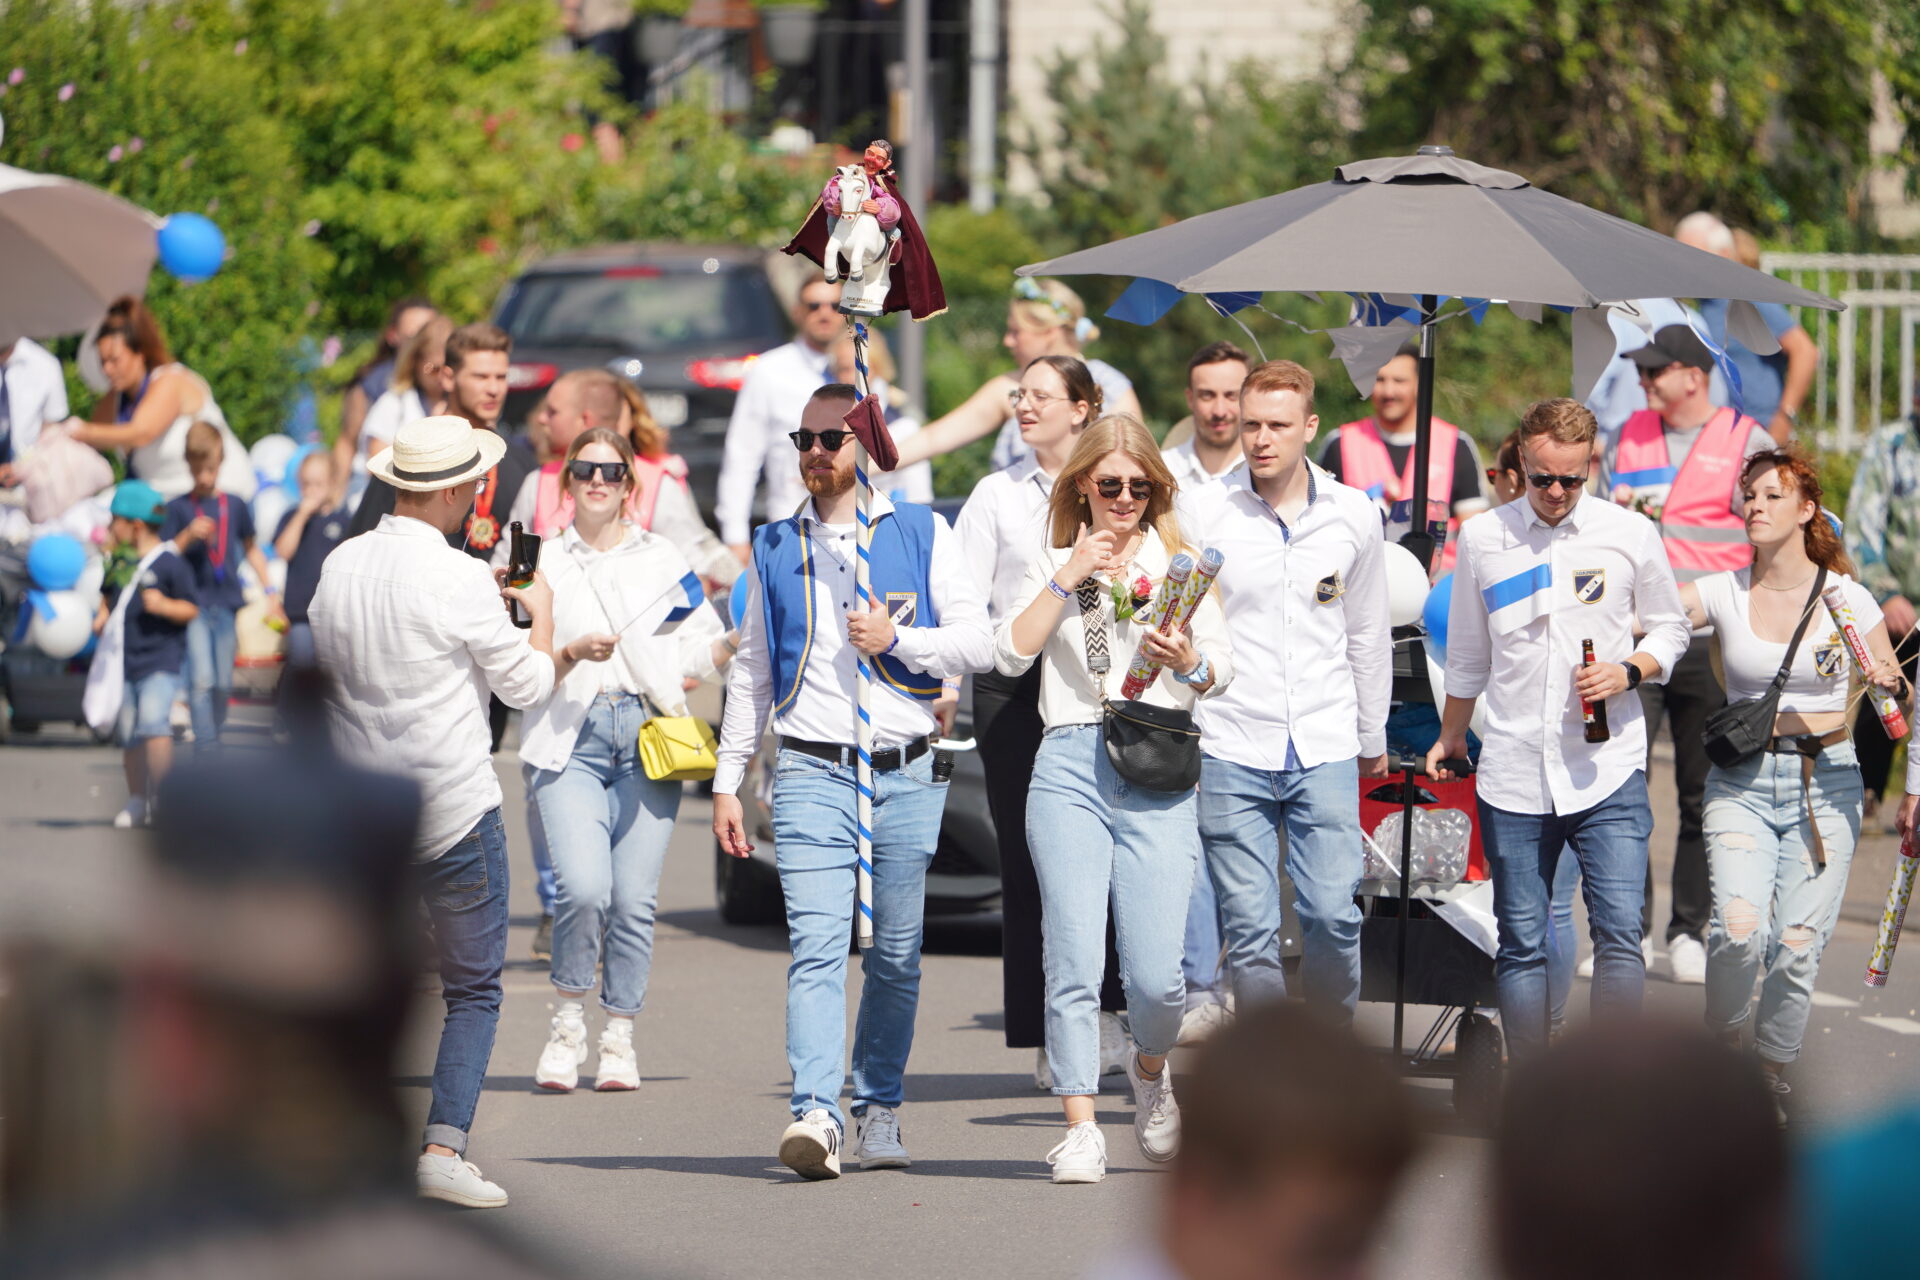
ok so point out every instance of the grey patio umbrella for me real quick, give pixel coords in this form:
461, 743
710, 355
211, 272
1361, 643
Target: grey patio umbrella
67, 249
1406, 233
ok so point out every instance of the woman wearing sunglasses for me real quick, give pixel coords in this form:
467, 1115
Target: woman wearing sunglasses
1095, 838
608, 824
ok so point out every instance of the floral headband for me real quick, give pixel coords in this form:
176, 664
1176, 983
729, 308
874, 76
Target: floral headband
1026, 289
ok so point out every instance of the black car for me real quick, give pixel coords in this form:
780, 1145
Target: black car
681, 321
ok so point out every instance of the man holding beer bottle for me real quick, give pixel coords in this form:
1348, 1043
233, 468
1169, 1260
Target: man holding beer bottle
1545, 596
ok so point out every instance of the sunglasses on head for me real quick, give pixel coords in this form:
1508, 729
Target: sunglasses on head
829, 440
611, 472
1109, 488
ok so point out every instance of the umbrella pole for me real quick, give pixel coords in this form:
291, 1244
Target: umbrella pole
863, 705
1418, 539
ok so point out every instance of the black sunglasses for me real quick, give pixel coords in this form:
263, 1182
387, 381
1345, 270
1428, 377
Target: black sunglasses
818, 306
1109, 488
829, 440
1569, 483
611, 472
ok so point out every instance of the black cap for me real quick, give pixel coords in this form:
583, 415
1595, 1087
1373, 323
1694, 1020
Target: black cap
1673, 344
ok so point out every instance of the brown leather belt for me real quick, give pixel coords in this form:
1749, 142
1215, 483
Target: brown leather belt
1808, 747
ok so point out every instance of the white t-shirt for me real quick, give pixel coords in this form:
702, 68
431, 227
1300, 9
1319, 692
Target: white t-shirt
1821, 666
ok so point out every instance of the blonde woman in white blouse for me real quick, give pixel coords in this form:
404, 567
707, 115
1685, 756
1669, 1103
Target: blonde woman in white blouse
1095, 837
607, 823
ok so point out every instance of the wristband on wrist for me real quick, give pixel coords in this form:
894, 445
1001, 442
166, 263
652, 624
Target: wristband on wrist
895, 642
1202, 670
1059, 590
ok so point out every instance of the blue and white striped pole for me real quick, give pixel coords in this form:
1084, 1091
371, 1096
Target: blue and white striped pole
863, 689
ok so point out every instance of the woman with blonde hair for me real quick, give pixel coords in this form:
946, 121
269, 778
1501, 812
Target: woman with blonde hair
1097, 837
1045, 318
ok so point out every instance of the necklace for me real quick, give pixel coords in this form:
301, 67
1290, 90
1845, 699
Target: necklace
1793, 587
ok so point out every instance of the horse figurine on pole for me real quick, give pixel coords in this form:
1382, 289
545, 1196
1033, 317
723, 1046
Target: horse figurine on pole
858, 243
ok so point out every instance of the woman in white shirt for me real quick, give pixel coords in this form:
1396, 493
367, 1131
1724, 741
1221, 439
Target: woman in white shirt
1781, 826
1096, 838
414, 392
608, 824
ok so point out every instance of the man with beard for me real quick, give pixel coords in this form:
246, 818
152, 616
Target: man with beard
928, 621
1214, 375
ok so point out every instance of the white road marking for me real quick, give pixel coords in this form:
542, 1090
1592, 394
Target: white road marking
1903, 1026
1828, 1000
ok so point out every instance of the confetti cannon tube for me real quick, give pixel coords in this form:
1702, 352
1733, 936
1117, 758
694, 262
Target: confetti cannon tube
1884, 703
1198, 581
1899, 894
1166, 604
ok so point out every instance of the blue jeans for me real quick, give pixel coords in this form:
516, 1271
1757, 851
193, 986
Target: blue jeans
210, 650
1773, 910
466, 893
302, 654
1200, 958
1241, 813
1563, 948
814, 842
1524, 852
537, 840
1096, 840
607, 827
146, 708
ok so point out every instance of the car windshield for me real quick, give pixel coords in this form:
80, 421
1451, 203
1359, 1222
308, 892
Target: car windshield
642, 310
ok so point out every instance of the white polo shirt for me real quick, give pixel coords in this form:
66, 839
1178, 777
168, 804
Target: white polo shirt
1306, 609
1525, 594
1004, 520
36, 393
1190, 475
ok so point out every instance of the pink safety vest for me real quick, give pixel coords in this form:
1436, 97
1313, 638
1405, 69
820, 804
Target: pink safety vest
553, 505
1697, 524
1365, 464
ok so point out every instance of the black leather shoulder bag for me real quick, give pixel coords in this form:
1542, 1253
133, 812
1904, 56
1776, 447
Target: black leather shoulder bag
1741, 730
1155, 748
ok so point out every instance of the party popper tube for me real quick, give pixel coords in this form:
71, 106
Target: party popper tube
1884, 703
1199, 582
1894, 914
1166, 603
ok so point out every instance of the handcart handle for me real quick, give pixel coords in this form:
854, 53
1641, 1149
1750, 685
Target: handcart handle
1418, 764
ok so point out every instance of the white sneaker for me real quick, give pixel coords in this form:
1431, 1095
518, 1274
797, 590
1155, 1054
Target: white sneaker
1156, 1116
1585, 968
566, 1049
457, 1181
618, 1068
1688, 960
1081, 1156
876, 1140
811, 1145
134, 815
1203, 1018
1646, 952
1116, 1046
1042, 1072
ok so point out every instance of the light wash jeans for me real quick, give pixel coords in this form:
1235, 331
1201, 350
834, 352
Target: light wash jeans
466, 893
1096, 840
813, 841
537, 840
1241, 812
211, 646
1773, 911
1524, 851
607, 826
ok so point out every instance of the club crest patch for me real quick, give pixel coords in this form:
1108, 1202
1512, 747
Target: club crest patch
903, 607
1589, 585
1830, 656
1329, 589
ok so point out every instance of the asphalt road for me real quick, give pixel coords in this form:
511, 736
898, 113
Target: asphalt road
680, 1178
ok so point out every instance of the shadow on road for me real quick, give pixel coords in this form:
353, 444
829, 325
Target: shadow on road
517, 1084
767, 1169
980, 1086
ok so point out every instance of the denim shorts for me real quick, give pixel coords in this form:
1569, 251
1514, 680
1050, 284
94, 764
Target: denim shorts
146, 708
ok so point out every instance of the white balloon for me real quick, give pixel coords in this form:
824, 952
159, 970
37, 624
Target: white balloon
67, 631
270, 456
1407, 586
270, 506
87, 585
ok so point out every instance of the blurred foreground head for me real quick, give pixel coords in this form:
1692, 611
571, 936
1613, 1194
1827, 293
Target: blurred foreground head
1292, 1138
1640, 1149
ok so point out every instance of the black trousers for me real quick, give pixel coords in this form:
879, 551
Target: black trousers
1006, 724
1690, 695
1870, 742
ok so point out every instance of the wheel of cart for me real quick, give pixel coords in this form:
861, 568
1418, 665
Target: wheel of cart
1412, 947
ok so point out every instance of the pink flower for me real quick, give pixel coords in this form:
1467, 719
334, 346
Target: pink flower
312, 228
136, 145
1142, 588
16, 75
313, 308
572, 142
114, 153
239, 47
330, 351
66, 91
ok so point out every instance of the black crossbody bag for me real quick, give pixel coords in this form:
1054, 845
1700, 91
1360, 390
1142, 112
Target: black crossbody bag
1155, 748
1741, 730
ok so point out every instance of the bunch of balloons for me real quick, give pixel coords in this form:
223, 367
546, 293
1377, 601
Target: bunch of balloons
276, 463
58, 616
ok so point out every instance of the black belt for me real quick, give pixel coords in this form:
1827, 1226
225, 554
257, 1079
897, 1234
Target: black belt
1806, 744
839, 753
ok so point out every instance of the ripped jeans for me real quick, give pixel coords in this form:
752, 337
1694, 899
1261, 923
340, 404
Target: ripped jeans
1773, 911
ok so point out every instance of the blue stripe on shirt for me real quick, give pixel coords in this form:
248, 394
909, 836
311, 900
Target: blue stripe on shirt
1517, 588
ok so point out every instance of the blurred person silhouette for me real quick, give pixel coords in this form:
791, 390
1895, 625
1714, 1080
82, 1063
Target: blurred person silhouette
1854, 1188
1294, 1138
1580, 1191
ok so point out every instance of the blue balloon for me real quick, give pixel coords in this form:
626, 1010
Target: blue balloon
290, 480
1434, 615
191, 246
55, 561
737, 601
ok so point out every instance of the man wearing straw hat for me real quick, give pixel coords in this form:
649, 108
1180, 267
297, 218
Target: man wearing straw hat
413, 636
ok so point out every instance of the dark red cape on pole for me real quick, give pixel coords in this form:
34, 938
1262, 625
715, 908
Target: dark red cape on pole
915, 286
869, 425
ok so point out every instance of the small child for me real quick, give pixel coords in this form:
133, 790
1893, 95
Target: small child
154, 610
306, 537
213, 532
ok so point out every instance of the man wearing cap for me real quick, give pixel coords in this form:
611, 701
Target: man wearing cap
1678, 461
413, 636
800, 640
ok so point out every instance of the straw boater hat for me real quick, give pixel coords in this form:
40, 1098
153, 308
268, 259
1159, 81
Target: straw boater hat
437, 453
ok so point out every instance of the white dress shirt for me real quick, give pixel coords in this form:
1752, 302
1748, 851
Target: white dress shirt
1525, 594
1306, 606
393, 409
412, 633
823, 710
675, 518
1004, 519
1068, 694
1190, 475
775, 390
36, 393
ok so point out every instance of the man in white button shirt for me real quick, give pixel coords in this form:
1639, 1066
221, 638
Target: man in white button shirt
766, 412
1214, 375
33, 394
413, 637
798, 640
1535, 580
1305, 595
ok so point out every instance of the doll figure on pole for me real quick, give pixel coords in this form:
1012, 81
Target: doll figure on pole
861, 230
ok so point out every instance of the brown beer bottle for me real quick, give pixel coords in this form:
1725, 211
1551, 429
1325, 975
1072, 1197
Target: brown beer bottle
1595, 712
523, 556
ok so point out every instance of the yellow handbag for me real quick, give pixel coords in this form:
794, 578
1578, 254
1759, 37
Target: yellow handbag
678, 749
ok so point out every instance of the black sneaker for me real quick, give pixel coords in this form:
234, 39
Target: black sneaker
543, 939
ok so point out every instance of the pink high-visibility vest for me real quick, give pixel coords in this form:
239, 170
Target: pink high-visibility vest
553, 505
1365, 464
1697, 523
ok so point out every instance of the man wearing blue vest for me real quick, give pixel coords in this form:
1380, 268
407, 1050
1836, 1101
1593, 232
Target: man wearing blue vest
798, 644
